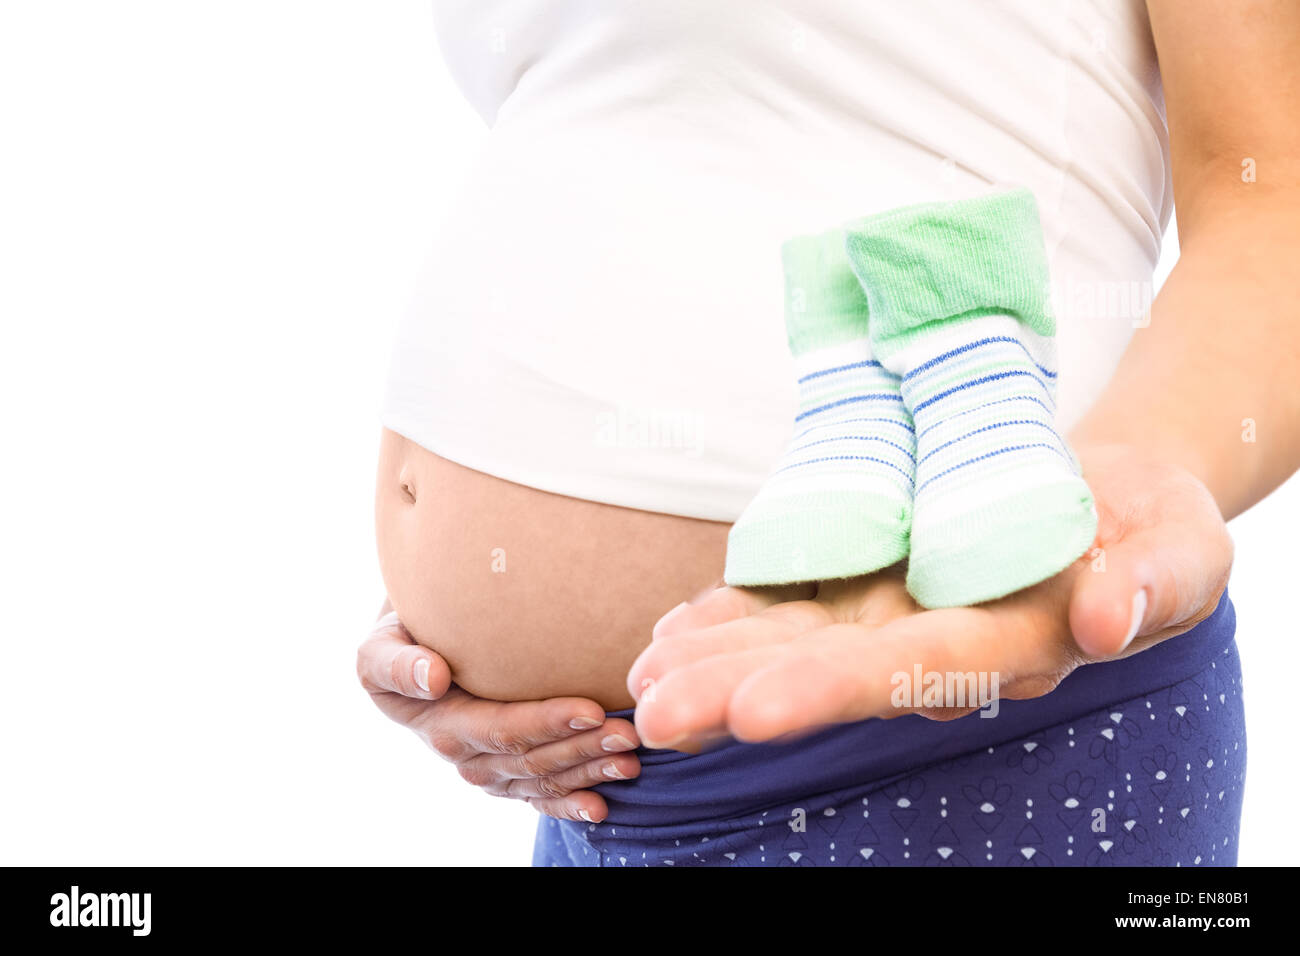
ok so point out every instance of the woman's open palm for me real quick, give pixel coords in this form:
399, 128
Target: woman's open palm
763, 663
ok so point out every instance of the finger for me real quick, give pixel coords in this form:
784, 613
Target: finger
613, 737
845, 673
690, 702
726, 604
473, 726
776, 624
605, 770
389, 661
582, 806
416, 715
1158, 581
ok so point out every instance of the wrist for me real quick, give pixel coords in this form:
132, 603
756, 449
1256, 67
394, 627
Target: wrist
1097, 447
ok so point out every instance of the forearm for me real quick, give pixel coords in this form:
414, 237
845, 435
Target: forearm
1211, 383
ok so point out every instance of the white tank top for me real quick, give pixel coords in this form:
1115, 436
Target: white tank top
603, 316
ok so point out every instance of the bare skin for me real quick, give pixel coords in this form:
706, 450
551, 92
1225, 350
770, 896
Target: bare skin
526, 594
547, 752
1162, 448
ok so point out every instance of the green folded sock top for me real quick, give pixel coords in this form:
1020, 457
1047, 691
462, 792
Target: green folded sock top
824, 303
947, 261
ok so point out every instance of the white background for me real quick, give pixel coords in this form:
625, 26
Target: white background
211, 215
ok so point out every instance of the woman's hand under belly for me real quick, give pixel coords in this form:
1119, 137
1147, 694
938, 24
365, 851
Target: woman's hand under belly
528, 594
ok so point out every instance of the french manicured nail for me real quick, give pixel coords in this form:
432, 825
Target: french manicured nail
583, 723
585, 815
611, 770
1135, 619
422, 674
615, 743
664, 744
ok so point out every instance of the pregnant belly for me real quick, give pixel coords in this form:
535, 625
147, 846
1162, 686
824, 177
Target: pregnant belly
528, 594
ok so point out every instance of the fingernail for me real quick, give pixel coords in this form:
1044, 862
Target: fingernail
615, 743
703, 594
583, 723
422, 674
668, 618
1135, 620
611, 770
585, 815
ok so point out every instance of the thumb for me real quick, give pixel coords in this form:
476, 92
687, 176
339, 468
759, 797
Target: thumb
389, 660
1165, 578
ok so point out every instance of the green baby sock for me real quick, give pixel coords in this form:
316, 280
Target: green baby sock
839, 502
959, 310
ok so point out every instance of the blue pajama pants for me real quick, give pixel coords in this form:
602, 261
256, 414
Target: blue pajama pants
1150, 778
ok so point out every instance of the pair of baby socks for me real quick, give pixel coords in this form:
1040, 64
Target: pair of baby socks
923, 345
